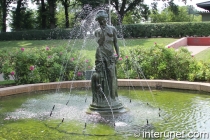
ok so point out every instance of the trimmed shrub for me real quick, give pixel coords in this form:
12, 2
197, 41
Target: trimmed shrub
178, 29
42, 34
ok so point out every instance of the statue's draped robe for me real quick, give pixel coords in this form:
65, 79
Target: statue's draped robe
105, 64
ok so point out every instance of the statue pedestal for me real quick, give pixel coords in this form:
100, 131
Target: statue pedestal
105, 108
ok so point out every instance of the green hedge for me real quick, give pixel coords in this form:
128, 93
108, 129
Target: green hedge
178, 29
41, 34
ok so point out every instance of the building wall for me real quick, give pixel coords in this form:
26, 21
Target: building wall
205, 16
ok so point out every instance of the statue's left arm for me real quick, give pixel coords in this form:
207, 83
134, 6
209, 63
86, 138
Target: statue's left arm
115, 43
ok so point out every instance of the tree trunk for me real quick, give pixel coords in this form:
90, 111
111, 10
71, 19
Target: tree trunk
52, 7
66, 14
18, 16
122, 10
43, 15
4, 16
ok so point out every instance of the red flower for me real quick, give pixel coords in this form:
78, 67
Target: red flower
120, 58
47, 48
22, 49
79, 73
31, 68
169, 47
12, 73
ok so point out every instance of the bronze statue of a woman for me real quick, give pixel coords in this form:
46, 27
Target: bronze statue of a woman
104, 80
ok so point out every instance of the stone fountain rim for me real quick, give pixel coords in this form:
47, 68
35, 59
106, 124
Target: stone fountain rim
172, 84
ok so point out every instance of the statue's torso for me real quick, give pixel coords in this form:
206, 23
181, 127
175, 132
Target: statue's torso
107, 47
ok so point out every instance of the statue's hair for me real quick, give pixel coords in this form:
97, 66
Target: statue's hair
101, 14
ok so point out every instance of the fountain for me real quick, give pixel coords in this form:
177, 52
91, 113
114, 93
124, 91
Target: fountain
104, 80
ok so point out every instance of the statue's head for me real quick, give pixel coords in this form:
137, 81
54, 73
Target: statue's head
102, 14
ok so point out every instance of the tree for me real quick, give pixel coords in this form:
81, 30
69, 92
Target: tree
154, 7
42, 13
168, 16
128, 18
61, 18
173, 7
4, 7
121, 6
0, 16
25, 22
66, 5
124, 6
17, 14
145, 12
92, 3
51, 13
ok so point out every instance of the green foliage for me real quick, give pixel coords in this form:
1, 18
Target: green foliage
158, 62
177, 29
61, 21
36, 35
129, 19
145, 12
43, 65
1, 15
172, 14
26, 21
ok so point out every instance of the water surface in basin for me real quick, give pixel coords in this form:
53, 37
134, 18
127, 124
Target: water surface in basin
27, 116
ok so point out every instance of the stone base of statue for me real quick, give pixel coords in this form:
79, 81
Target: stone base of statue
105, 108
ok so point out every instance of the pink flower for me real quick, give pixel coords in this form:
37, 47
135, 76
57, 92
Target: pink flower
49, 56
72, 59
22, 49
79, 73
115, 55
31, 68
126, 56
86, 61
169, 47
89, 67
155, 43
120, 58
47, 48
12, 73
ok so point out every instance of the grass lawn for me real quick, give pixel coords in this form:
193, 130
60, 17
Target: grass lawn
88, 47
5, 83
204, 55
90, 43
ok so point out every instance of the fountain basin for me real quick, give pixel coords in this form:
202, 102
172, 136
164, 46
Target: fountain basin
27, 115
197, 86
